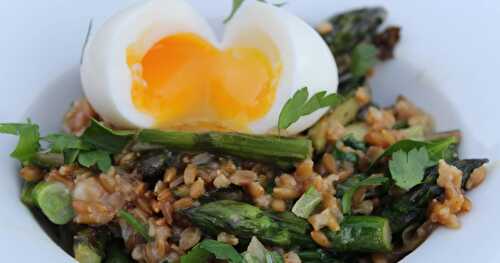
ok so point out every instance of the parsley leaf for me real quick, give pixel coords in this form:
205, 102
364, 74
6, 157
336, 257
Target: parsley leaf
202, 251
347, 197
195, 255
408, 169
236, 5
29, 136
221, 250
299, 105
62, 141
99, 157
364, 57
106, 139
437, 149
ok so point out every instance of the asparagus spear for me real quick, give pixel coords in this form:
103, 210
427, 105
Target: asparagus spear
283, 151
411, 207
352, 27
357, 233
343, 113
361, 234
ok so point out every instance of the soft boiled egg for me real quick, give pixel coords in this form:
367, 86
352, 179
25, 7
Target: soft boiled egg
159, 65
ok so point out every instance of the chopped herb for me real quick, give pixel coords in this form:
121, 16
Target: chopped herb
28, 143
195, 255
347, 197
364, 57
202, 252
354, 143
99, 157
407, 169
221, 250
63, 141
345, 156
106, 139
237, 4
70, 155
299, 105
137, 225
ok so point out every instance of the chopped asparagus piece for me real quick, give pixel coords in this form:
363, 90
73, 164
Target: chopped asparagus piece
27, 194
54, 199
307, 203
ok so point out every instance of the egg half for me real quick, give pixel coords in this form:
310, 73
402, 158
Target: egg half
158, 64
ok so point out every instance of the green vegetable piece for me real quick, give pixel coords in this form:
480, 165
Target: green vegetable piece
361, 234
317, 256
256, 252
106, 139
345, 156
437, 149
270, 149
86, 254
48, 160
70, 155
407, 169
299, 105
137, 225
236, 6
347, 197
196, 255
101, 158
221, 250
357, 131
62, 141
354, 143
207, 247
28, 143
364, 57
344, 113
89, 245
307, 203
273, 257
54, 199
27, 194
240, 219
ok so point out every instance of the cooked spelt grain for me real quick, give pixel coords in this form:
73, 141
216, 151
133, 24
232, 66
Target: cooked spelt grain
31, 173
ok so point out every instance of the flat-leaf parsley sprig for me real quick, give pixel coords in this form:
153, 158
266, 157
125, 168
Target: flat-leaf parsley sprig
301, 105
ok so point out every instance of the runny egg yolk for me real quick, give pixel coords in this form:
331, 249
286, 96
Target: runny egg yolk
186, 83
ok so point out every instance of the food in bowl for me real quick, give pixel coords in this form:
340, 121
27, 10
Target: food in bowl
252, 150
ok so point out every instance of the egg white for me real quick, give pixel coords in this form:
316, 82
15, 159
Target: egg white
305, 59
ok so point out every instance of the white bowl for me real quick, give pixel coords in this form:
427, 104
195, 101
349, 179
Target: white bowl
447, 63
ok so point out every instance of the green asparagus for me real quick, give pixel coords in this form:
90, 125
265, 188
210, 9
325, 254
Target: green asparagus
280, 150
27, 194
54, 199
357, 233
361, 234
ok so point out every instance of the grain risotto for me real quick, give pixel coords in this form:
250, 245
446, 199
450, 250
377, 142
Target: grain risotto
365, 183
